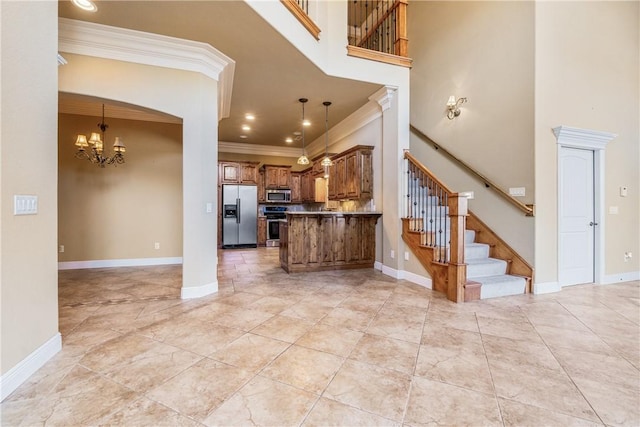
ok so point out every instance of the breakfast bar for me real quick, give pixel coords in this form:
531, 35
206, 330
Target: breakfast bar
316, 241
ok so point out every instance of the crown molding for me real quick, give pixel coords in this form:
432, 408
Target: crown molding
582, 138
355, 121
384, 96
121, 44
259, 150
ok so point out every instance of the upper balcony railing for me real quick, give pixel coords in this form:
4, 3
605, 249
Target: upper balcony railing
378, 30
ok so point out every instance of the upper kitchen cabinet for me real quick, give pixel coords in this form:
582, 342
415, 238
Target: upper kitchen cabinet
238, 172
277, 176
296, 195
351, 176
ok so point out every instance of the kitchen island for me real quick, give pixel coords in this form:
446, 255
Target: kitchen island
315, 241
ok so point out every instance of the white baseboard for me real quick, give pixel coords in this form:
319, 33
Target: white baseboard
405, 275
418, 280
102, 263
392, 272
377, 265
29, 365
546, 288
190, 292
622, 277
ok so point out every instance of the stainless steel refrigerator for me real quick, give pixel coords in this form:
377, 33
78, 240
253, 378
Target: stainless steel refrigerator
239, 216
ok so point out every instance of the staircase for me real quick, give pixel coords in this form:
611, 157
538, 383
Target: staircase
465, 258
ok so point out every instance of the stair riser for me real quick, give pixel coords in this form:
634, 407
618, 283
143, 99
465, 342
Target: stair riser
482, 270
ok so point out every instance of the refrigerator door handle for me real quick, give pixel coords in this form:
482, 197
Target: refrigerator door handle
238, 210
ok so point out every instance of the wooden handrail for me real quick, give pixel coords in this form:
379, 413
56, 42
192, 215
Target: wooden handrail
424, 169
302, 17
527, 209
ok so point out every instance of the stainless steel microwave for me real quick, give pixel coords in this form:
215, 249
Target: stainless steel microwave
278, 196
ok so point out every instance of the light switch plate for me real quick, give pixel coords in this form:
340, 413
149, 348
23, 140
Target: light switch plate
25, 204
517, 191
624, 191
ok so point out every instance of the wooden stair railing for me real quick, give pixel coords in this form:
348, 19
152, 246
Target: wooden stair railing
378, 31
437, 217
434, 228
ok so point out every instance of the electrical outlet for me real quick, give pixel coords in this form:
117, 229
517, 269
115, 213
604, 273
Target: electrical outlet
156, 245
209, 208
393, 253
406, 256
61, 249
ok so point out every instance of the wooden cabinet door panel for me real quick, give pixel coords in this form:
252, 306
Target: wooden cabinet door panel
284, 178
296, 188
229, 173
248, 173
271, 177
351, 175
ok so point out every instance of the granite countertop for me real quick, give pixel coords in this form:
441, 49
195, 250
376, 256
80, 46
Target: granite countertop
315, 213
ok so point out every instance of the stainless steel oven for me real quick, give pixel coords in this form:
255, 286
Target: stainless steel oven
274, 215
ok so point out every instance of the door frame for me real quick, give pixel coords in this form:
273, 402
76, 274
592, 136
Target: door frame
596, 141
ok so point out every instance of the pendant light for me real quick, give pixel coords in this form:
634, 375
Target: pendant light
303, 159
326, 162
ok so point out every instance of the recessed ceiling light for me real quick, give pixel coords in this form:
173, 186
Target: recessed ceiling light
249, 116
87, 5
246, 127
306, 123
243, 136
288, 140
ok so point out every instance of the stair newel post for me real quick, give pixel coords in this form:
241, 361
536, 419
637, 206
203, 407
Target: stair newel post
457, 274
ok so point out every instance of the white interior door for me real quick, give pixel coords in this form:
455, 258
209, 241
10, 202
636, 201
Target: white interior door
576, 216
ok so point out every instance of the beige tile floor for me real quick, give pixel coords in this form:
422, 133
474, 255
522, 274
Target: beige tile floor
335, 348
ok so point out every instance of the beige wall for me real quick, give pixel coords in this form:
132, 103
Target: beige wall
120, 212
483, 51
28, 261
587, 76
192, 97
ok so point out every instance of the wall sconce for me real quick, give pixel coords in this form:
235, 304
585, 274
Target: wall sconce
453, 106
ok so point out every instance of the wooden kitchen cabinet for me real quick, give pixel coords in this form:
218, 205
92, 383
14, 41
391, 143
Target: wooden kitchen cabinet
296, 190
262, 231
237, 173
261, 191
277, 176
314, 241
351, 176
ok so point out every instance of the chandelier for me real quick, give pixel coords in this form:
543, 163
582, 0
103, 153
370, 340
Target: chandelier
326, 162
93, 149
303, 159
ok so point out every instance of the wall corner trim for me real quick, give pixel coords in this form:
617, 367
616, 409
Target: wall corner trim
121, 44
190, 292
29, 365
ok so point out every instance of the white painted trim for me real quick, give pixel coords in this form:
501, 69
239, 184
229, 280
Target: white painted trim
596, 141
121, 44
384, 96
582, 138
354, 122
105, 263
546, 288
392, 272
377, 265
260, 150
418, 280
189, 292
620, 277
29, 365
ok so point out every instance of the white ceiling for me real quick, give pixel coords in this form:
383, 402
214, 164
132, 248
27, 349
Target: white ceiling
270, 74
